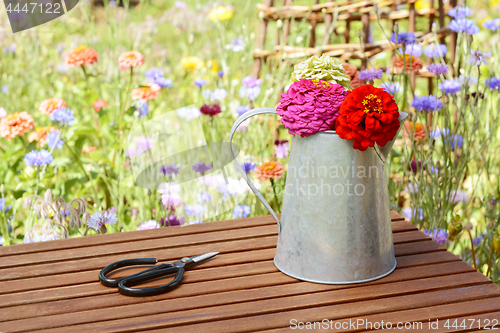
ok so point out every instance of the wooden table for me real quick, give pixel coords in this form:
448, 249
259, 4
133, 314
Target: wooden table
54, 285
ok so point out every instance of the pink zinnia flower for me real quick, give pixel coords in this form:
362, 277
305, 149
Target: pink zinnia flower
49, 105
99, 104
130, 59
310, 106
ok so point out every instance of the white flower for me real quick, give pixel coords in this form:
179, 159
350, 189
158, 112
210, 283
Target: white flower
459, 196
236, 44
219, 94
151, 224
189, 112
3, 113
477, 58
250, 93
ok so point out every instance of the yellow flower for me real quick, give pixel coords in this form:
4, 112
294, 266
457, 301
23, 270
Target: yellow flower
422, 4
221, 13
214, 67
192, 63
494, 3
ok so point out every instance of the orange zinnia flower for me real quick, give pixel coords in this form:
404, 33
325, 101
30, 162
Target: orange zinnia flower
148, 91
49, 105
415, 130
40, 135
81, 56
16, 124
130, 59
350, 69
269, 170
412, 64
87, 150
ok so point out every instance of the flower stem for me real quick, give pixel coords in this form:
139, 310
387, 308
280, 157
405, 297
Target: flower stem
489, 260
275, 195
472, 247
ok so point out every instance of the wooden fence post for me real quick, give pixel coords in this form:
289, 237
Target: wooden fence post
261, 40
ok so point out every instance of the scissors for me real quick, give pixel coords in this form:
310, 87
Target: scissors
124, 284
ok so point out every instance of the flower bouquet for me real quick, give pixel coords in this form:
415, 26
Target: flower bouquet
335, 225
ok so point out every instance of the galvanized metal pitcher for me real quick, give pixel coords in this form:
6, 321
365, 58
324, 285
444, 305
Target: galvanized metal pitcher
335, 224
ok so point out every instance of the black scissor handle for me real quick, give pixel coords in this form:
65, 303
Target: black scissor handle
134, 280
123, 263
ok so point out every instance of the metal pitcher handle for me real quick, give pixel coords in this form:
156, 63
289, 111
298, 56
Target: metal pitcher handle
238, 122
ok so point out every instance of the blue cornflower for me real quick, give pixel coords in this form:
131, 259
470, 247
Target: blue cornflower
201, 167
476, 241
454, 141
405, 37
464, 25
427, 103
154, 74
438, 132
251, 82
412, 49
163, 82
220, 74
53, 140
169, 170
247, 166
241, 211
63, 115
491, 24
98, 220
200, 82
439, 235
493, 83
438, 69
197, 210
203, 197
460, 12
435, 51
242, 109
450, 86
370, 74
3, 207
38, 158
433, 169
417, 212
391, 88
5, 89
142, 106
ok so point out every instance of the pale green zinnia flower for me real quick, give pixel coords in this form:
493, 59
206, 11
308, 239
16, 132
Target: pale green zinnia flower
321, 68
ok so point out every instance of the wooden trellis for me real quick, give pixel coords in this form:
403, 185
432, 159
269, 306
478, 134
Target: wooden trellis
332, 12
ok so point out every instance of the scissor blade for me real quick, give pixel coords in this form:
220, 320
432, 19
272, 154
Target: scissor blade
204, 256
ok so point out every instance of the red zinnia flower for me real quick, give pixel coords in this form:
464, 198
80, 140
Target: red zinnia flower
368, 115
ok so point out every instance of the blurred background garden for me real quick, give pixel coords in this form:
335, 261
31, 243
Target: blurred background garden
74, 88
